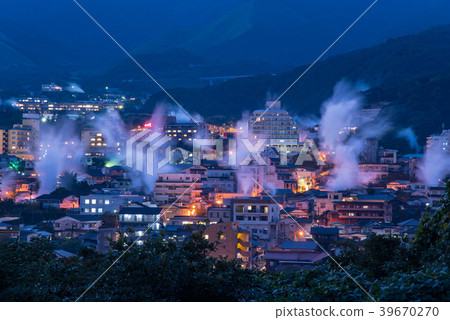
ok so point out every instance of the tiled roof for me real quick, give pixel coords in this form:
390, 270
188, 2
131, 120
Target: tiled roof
144, 210
85, 217
324, 231
306, 245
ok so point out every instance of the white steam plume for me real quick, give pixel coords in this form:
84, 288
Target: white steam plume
73, 87
180, 115
434, 166
409, 135
60, 150
340, 113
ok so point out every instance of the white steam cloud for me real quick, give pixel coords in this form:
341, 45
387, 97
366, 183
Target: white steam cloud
60, 150
434, 166
409, 135
339, 115
180, 115
73, 87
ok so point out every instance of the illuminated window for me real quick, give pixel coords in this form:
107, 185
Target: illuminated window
106, 201
86, 201
94, 201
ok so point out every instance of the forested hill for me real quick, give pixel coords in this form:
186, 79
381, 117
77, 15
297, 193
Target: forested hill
412, 72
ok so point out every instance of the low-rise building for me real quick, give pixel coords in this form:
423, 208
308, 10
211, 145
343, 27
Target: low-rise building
293, 229
259, 216
61, 201
232, 242
100, 203
76, 225
219, 213
140, 216
294, 255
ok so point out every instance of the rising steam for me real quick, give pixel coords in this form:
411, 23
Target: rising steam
339, 116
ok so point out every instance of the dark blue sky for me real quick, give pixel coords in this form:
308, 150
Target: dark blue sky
288, 31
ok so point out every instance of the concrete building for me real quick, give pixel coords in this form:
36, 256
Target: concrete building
373, 172
259, 216
439, 141
370, 152
349, 212
22, 139
186, 132
387, 155
232, 242
100, 203
219, 213
139, 217
179, 187
51, 87
96, 144
273, 123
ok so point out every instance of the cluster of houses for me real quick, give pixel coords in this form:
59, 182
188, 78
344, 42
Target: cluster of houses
281, 215
276, 229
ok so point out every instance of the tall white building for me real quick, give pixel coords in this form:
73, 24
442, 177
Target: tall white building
441, 141
273, 123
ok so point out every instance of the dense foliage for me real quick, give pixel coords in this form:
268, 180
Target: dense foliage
169, 270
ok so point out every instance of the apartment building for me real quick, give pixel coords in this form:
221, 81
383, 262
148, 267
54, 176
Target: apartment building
186, 132
349, 212
439, 141
256, 215
22, 139
232, 242
184, 188
219, 213
272, 123
100, 203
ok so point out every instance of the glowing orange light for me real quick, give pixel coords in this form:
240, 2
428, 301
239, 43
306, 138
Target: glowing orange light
148, 125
